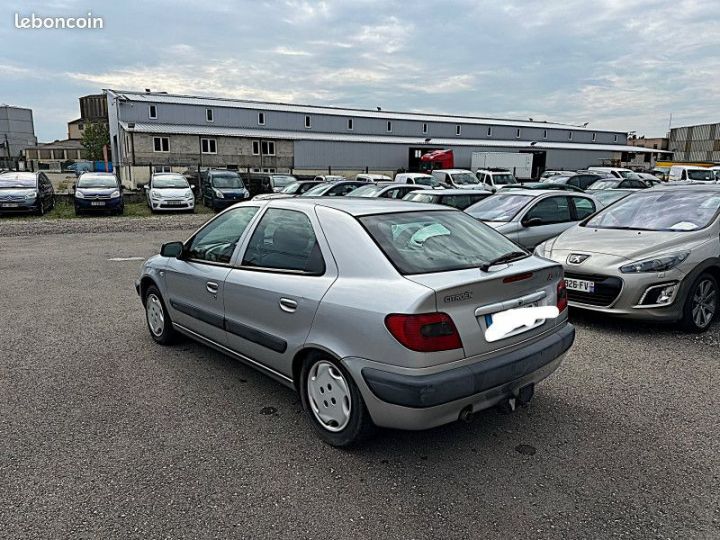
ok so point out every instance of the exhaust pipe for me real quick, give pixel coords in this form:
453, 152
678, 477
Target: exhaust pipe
466, 414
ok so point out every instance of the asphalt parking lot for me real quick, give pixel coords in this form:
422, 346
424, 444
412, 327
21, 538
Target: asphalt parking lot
105, 434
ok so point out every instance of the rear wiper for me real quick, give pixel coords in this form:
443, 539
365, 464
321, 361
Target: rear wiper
508, 257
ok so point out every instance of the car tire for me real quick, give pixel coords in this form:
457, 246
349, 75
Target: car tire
41, 208
333, 402
157, 317
701, 303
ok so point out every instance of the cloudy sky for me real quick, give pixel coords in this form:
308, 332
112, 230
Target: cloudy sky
619, 64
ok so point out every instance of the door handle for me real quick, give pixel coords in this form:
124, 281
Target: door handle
212, 287
288, 305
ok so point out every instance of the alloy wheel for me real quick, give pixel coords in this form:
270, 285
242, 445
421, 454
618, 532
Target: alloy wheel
704, 303
155, 315
329, 396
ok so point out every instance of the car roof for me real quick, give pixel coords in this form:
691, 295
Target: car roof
20, 175
713, 187
355, 206
446, 192
453, 171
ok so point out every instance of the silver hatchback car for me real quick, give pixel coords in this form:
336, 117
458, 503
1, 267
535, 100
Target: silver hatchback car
652, 255
378, 312
532, 216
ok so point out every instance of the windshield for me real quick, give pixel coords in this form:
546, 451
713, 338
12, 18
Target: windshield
420, 197
438, 241
169, 182
628, 174
16, 181
365, 191
605, 184
557, 180
291, 188
706, 175
282, 181
504, 179
90, 181
227, 181
317, 190
426, 181
660, 211
499, 208
608, 196
463, 179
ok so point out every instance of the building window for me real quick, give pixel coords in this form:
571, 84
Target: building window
518, 133
81, 126
425, 129
161, 168
161, 144
458, 129
261, 119
614, 138
268, 148
544, 133
270, 170
570, 136
256, 148
489, 131
152, 112
350, 124
389, 126
209, 115
594, 137
208, 146
308, 123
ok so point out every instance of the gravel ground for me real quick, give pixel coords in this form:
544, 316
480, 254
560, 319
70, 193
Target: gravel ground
104, 434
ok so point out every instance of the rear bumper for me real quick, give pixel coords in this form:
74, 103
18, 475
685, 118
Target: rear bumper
406, 401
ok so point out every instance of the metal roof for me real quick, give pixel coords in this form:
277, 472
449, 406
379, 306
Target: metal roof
185, 129
161, 97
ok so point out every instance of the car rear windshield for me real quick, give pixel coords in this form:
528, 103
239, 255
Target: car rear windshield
435, 241
90, 181
17, 181
652, 210
500, 207
227, 181
426, 181
504, 179
605, 184
365, 191
282, 181
420, 197
317, 190
463, 179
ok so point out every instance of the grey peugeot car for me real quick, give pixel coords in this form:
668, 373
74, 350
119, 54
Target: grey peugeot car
652, 255
378, 312
532, 216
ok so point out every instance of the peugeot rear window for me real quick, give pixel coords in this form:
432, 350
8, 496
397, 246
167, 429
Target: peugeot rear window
436, 241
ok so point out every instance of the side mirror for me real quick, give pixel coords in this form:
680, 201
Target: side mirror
146, 187
172, 249
192, 186
532, 222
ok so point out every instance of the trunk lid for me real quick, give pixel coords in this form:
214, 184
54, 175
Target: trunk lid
469, 295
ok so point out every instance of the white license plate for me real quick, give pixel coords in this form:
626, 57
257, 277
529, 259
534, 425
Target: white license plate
580, 285
10, 205
97, 203
489, 318
174, 203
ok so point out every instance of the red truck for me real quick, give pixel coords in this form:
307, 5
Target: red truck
437, 159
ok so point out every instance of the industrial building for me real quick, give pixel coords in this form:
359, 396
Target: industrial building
697, 144
17, 131
93, 109
156, 131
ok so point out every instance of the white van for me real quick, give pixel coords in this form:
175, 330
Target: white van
617, 172
457, 179
420, 179
372, 178
679, 173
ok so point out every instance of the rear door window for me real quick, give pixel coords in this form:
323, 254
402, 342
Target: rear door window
550, 210
583, 207
284, 240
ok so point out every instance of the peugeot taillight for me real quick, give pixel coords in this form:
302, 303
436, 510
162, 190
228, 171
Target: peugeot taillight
427, 332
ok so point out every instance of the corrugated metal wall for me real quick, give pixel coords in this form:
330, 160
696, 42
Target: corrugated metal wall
696, 143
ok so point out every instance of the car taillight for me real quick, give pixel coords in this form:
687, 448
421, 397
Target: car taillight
561, 295
428, 332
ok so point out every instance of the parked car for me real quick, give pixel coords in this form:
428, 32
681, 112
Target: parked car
457, 179
98, 192
329, 178
545, 186
617, 172
259, 183
376, 314
580, 180
333, 189
372, 178
618, 183
652, 255
26, 192
495, 179
79, 167
606, 197
169, 192
293, 190
420, 179
683, 172
551, 172
221, 188
650, 179
457, 198
384, 190
530, 217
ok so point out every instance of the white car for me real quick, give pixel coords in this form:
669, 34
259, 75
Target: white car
617, 172
420, 179
680, 173
169, 192
495, 179
373, 178
457, 179
329, 178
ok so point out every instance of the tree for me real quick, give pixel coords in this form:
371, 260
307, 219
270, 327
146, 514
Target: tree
95, 136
